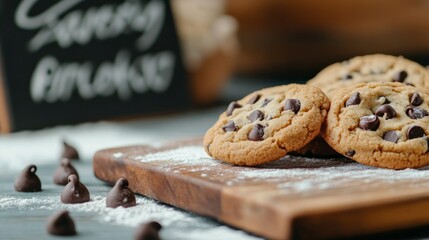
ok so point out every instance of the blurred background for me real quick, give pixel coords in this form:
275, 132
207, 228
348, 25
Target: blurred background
290, 41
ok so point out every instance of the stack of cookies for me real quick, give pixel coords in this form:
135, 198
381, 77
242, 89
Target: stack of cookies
372, 109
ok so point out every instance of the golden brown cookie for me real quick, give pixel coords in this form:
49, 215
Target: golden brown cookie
267, 124
380, 124
371, 68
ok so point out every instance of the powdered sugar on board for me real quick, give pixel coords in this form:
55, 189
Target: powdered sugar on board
291, 174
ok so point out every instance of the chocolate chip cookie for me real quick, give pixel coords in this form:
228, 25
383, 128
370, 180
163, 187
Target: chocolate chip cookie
371, 68
380, 124
267, 124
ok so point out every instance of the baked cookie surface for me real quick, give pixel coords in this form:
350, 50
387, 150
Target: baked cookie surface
380, 124
267, 124
371, 68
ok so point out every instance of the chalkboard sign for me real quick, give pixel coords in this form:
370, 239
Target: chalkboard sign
70, 61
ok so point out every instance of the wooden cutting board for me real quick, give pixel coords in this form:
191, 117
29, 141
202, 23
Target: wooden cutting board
292, 197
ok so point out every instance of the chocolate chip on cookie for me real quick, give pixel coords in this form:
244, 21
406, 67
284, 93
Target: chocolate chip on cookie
350, 153
347, 76
400, 76
256, 115
370, 122
416, 100
383, 135
231, 107
353, 100
415, 112
293, 104
386, 110
266, 101
257, 133
415, 132
230, 126
391, 136
266, 125
254, 99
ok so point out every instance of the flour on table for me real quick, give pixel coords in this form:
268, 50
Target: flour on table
173, 220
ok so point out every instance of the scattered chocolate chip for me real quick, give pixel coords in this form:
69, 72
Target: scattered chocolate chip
415, 99
147, 231
257, 133
400, 76
229, 127
61, 224
410, 84
28, 181
415, 132
391, 136
120, 195
256, 115
70, 152
386, 110
370, 122
350, 153
63, 171
254, 99
347, 76
354, 99
266, 101
231, 108
293, 104
415, 112
155, 225
74, 191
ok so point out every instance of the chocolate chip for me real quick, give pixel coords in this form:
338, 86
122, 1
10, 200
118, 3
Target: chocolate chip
63, 171
415, 112
385, 110
120, 195
293, 104
386, 101
415, 99
256, 115
354, 99
229, 127
155, 225
350, 153
409, 84
400, 76
231, 108
370, 122
257, 133
347, 76
74, 191
28, 181
70, 152
391, 136
147, 231
415, 132
254, 99
266, 101
61, 224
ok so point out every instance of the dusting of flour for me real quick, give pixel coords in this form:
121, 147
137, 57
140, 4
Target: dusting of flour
292, 173
173, 220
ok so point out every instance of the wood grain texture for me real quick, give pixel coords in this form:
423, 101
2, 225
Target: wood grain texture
349, 206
